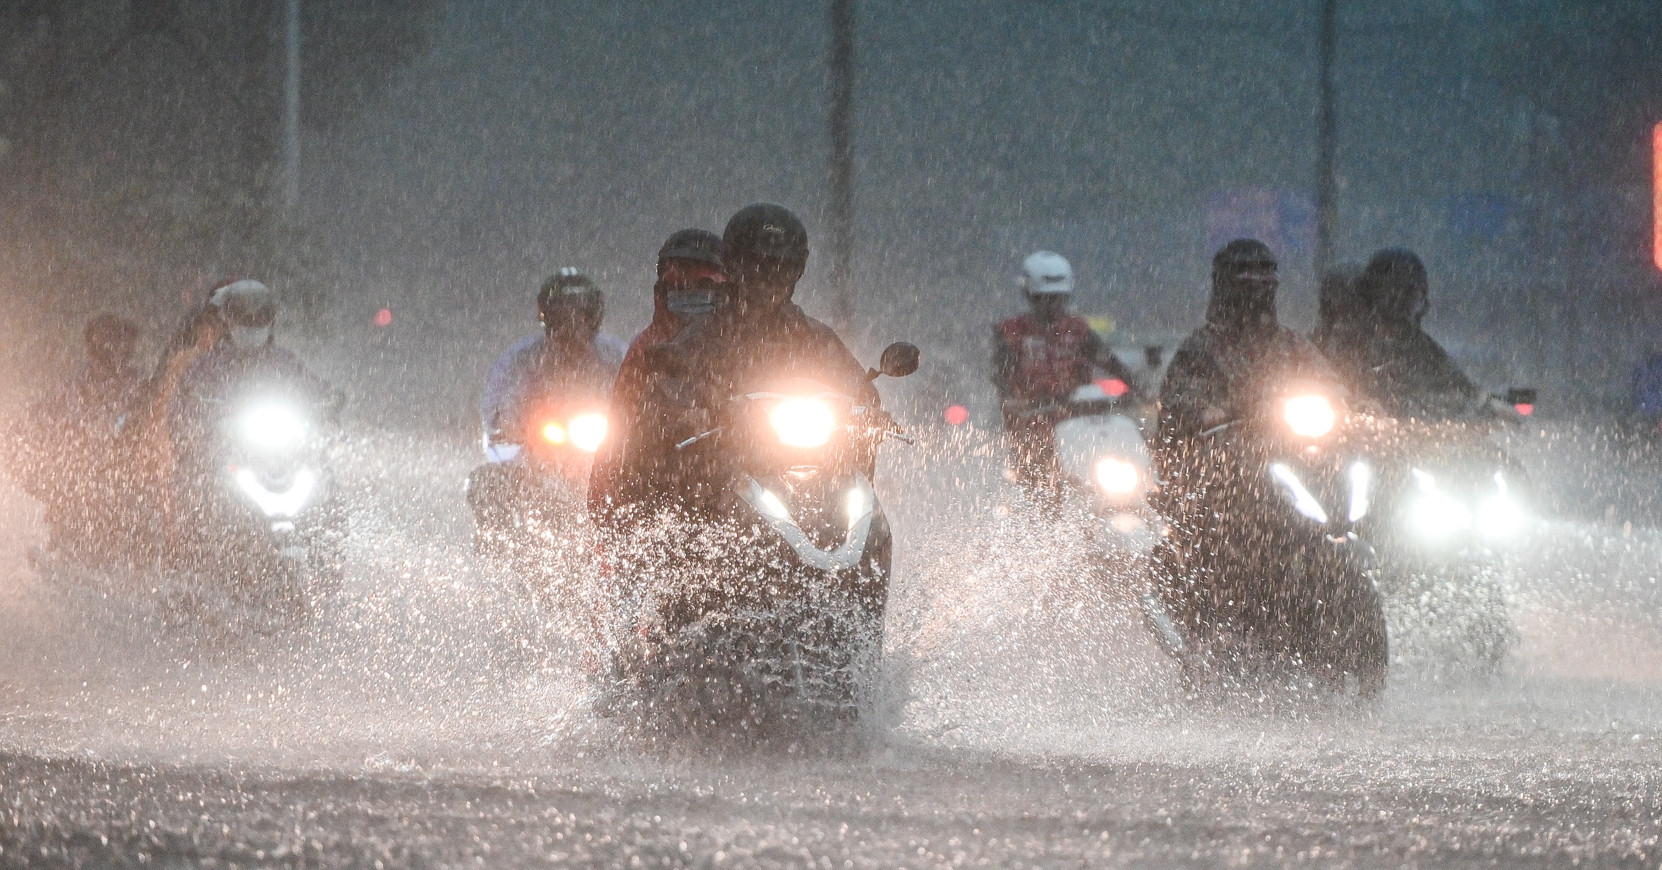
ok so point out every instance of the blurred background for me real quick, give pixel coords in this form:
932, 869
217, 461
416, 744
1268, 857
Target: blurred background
438, 159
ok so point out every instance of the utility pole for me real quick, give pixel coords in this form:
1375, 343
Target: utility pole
1327, 206
841, 169
291, 110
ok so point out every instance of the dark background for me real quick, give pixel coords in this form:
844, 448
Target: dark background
456, 153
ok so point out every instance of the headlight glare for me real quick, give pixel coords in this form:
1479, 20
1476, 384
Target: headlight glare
1500, 518
1116, 476
1309, 415
802, 422
1435, 515
273, 426
588, 431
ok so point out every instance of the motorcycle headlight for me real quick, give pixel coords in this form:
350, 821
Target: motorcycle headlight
273, 426
588, 432
1501, 516
803, 422
1117, 477
1434, 514
1309, 415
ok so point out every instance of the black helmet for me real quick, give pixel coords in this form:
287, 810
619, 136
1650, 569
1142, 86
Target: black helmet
765, 243
1242, 255
1395, 285
569, 294
1239, 301
691, 244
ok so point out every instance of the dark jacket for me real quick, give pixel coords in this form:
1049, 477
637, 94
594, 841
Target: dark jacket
1412, 376
225, 376
610, 489
64, 444
712, 359
1228, 368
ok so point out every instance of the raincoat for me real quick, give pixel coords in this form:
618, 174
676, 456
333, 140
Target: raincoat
526, 373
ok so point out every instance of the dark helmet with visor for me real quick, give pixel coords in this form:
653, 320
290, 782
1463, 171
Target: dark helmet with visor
1395, 285
570, 297
765, 243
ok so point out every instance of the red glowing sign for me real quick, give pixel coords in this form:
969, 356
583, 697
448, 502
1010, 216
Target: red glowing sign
1656, 194
957, 415
383, 317
1114, 387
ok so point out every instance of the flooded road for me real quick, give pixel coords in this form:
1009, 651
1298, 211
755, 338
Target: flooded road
431, 718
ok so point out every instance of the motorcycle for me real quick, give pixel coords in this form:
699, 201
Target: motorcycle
1263, 573
771, 614
265, 513
1452, 506
1105, 461
530, 490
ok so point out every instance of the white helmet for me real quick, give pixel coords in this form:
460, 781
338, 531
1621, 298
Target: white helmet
249, 309
1044, 272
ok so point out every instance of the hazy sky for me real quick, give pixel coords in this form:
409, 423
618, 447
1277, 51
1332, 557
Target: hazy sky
1127, 136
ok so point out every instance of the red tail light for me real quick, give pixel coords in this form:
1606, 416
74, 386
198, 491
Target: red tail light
1114, 387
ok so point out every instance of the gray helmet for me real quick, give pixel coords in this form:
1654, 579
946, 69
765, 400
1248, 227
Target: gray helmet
249, 310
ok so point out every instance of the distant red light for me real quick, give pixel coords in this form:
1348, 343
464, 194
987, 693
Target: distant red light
383, 317
957, 415
1656, 194
1524, 409
1114, 387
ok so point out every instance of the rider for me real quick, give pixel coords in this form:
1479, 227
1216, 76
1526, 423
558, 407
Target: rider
245, 360
755, 332
690, 278
1399, 366
1241, 344
569, 353
1039, 359
570, 359
66, 440
106, 385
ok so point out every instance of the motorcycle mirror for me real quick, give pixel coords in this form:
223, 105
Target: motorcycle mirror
1520, 396
899, 359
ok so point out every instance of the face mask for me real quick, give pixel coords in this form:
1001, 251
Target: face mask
691, 301
250, 337
1244, 298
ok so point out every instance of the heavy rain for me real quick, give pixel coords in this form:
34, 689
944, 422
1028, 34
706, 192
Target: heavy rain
1118, 433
